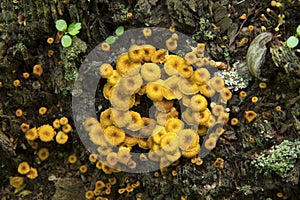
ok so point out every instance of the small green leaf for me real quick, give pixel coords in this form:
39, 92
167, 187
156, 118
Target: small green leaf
119, 31
74, 28
298, 30
110, 39
292, 42
61, 25
66, 41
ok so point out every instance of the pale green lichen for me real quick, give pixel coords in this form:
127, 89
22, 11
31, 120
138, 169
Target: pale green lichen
280, 160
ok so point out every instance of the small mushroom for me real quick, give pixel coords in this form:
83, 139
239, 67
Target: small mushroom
256, 54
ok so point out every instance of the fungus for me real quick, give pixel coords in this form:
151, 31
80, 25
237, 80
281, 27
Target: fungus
17, 83
120, 118
63, 121
131, 164
250, 115
217, 110
234, 121
61, 137
136, 122
46, 133
251, 27
202, 130
43, 154
130, 84
93, 157
149, 51
114, 78
56, 124
97, 136
201, 76
107, 88
225, 94
142, 143
174, 125
120, 101
159, 56
112, 180
168, 142
130, 141
114, 135
171, 44
185, 70
89, 194
32, 134
106, 70
99, 165
33, 173
89, 122
243, 94
105, 46
206, 90
191, 151
153, 156
198, 103
72, 159
16, 181
67, 128
42, 110
147, 32
158, 132
170, 89
24, 127
38, 70
172, 64
202, 117
217, 83
188, 118
219, 163
210, 143
154, 91
143, 157
83, 169
164, 105
187, 138
99, 185
262, 85
190, 58
121, 190
50, 40
150, 72
174, 172
174, 36
19, 113
26, 75
254, 99
23, 168
223, 118
136, 53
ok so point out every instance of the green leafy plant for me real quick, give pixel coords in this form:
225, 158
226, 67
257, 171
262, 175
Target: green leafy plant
112, 38
73, 29
293, 40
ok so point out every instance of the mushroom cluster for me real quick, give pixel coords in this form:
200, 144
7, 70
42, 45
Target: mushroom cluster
188, 102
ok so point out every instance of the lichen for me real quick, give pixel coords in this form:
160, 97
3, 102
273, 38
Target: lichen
280, 159
237, 78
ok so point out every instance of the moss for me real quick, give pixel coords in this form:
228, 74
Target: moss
280, 161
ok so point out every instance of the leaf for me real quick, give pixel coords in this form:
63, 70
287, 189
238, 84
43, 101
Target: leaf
119, 31
61, 25
110, 39
292, 42
298, 30
66, 41
74, 28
